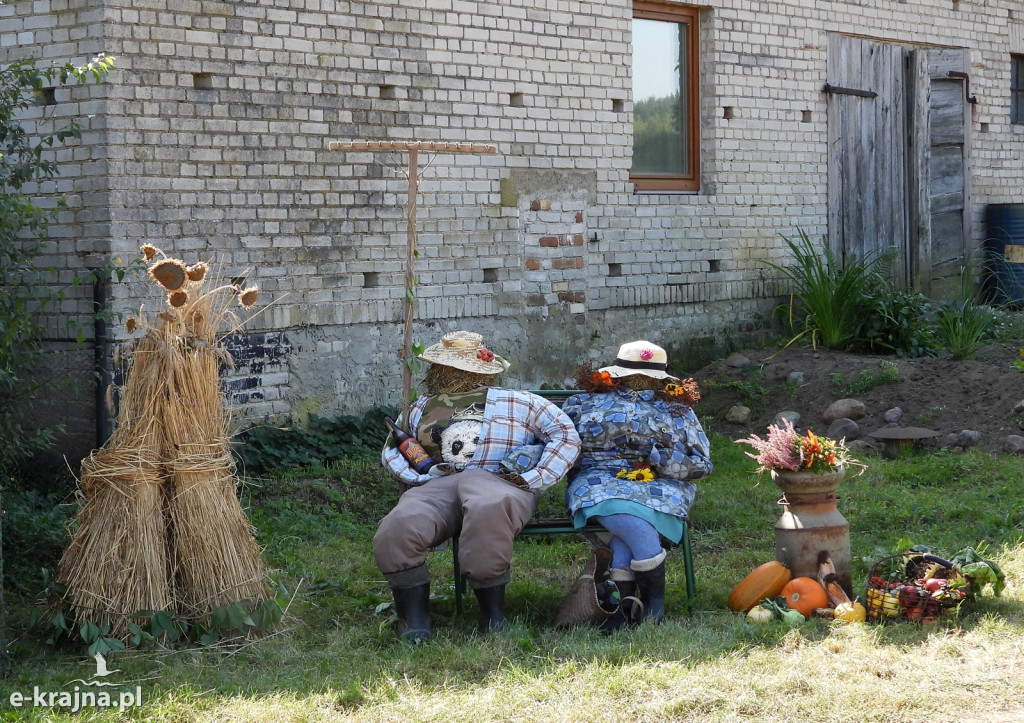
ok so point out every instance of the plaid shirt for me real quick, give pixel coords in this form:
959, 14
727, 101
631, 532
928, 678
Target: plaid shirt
512, 419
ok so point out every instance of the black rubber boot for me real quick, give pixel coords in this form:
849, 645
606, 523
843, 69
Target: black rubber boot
629, 608
492, 604
413, 607
652, 592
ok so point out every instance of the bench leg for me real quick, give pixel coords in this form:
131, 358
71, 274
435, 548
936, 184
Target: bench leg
691, 578
460, 581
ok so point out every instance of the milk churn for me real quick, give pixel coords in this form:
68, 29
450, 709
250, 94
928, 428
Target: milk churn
811, 523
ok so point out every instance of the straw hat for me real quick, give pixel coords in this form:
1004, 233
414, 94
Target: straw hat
464, 350
640, 357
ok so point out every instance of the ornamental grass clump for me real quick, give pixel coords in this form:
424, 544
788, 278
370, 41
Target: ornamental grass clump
786, 450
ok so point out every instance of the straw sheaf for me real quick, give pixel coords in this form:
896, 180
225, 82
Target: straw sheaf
116, 563
161, 527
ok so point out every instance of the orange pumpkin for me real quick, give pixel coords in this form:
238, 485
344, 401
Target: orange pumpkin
804, 594
765, 581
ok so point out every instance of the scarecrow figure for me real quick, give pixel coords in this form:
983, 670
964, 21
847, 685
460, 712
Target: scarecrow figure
642, 448
486, 498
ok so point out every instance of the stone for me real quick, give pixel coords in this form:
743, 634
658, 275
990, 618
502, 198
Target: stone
1014, 444
952, 440
738, 415
968, 438
843, 428
793, 417
849, 408
1019, 407
796, 378
892, 416
863, 447
737, 361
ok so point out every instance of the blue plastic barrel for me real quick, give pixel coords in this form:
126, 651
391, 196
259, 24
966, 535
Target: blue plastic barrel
1004, 245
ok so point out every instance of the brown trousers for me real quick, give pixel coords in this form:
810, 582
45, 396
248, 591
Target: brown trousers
484, 510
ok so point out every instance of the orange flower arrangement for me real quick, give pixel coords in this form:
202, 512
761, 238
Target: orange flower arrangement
601, 381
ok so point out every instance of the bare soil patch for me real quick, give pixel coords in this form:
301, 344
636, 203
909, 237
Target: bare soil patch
941, 394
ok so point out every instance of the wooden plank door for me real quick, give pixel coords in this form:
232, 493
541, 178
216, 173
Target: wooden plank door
868, 152
942, 245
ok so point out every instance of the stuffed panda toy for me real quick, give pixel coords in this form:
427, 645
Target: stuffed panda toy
457, 441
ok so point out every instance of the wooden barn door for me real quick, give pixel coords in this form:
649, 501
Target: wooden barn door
898, 120
868, 152
941, 173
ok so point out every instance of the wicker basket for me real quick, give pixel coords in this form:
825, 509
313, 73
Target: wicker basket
914, 586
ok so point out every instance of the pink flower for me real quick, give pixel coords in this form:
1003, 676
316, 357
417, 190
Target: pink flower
647, 354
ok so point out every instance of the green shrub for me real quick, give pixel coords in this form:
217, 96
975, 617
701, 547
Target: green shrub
36, 528
963, 327
264, 448
966, 323
833, 299
897, 322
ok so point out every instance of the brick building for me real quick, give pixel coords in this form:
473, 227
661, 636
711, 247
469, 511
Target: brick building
874, 123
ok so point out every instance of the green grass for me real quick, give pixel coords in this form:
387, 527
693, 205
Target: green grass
335, 658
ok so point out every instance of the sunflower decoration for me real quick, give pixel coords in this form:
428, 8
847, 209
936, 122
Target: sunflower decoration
169, 273
247, 297
196, 272
683, 391
641, 472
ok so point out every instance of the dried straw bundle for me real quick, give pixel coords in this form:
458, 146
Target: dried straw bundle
161, 526
116, 563
217, 561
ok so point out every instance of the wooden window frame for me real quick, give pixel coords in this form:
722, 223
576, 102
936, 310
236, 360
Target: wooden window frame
1016, 89
688, 16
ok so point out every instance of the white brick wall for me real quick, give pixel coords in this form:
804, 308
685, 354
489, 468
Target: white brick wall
240, 173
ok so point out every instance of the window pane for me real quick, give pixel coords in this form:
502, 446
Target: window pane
659, 101
1017, 88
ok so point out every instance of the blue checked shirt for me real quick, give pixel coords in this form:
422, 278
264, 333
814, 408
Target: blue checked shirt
512, 419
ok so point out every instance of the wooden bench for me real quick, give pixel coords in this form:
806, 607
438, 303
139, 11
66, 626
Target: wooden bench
564, 526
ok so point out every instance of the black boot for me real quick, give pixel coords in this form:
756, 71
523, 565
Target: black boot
413, 607
630, 608
492, 603
652, 592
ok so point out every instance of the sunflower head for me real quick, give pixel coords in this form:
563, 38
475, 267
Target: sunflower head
196, 272
169, 273
177, 299
149, 251
131, 324
247, 297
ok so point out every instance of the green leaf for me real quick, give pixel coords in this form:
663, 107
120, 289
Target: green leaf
89, 631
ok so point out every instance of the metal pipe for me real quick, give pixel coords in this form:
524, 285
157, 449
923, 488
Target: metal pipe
101, 373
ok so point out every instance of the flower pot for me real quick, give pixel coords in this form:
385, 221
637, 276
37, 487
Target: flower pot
811, 523
804, 482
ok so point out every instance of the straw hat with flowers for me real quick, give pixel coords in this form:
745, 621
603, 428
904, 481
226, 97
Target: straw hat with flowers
465, 350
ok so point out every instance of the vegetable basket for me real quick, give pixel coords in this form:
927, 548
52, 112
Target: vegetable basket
915, 586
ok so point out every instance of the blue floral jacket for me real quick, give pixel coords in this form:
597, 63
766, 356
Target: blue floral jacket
624, 429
